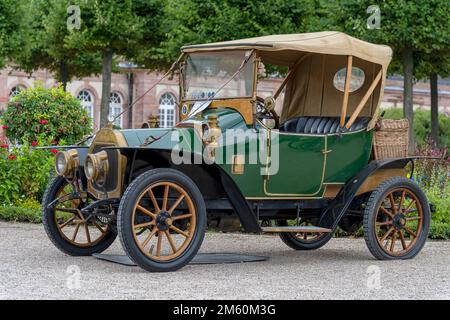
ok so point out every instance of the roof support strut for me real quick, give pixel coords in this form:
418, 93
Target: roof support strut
364, 100
348, 79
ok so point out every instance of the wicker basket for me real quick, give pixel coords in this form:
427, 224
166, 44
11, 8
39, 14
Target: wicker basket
391, 139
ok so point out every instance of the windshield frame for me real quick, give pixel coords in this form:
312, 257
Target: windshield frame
182, 79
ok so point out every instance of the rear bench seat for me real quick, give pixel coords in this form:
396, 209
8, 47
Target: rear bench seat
321, 125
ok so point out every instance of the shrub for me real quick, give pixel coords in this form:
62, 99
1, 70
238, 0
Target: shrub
422, 125
20, 214
24, 173
51, 114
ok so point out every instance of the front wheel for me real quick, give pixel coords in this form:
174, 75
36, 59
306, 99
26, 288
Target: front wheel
162, 220
70, 230
396, 220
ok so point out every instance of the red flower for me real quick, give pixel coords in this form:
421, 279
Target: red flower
54, 142
4, 146
5, 127
43, 121
54, 151
34, 143
12, 157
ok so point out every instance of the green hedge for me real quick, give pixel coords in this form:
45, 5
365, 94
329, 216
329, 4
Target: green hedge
20, 214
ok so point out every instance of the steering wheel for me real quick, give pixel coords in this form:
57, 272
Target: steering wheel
262, 112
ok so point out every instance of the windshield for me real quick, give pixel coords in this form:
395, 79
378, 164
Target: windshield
207, 72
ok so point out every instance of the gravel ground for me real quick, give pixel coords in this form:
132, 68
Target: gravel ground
32, 268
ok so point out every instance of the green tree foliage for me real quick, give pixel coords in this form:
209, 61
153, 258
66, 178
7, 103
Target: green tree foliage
409, 27
200, 21
45, 114
10, 35
45, 28
127, 28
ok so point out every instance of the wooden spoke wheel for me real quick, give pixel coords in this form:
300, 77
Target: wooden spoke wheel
303, 240
396, 219
162, 220
70, 230
161, 230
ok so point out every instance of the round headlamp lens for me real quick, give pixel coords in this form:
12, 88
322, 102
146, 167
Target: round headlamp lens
60, 163
89, 169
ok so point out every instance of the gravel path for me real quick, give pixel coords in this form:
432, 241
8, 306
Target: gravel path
31, 268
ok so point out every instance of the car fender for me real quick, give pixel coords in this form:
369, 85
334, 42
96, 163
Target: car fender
332, 214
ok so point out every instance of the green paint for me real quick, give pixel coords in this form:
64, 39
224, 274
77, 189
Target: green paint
302, 160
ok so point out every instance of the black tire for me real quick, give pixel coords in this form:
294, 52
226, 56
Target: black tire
53, 232
372, 210
125, 223
294, 242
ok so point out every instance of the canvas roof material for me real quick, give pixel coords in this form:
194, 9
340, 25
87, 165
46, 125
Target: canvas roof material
326, 42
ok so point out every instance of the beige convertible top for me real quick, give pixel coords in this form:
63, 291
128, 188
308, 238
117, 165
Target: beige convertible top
326, 42
313, 60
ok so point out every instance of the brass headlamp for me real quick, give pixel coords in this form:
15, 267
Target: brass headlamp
66, 162
96, 167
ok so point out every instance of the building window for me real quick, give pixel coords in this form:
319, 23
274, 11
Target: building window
115, 108
167, 104
15, 91
87, 102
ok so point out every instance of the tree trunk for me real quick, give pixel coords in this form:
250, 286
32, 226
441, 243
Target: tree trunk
408, 67
434, 108
106, 87
130, 99
63, 75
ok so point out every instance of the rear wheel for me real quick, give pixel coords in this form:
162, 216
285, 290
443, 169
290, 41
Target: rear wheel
303, 240
162, 220
396, 220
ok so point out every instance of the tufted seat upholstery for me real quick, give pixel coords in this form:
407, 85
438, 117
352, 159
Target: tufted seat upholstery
321, 125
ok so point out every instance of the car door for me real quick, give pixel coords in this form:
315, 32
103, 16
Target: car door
301, 164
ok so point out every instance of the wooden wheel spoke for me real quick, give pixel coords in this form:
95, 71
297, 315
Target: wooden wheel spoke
400, 206
61, 226
392, 201
390, 215
98, 226
409, 206
179, 231
145, 211
183, 216
74, 236
69, 210
410, 231
176, 204
143, 225
88, 235
402, 239
165, 198
414, 218
172, 244
150, 236
394, 238
159, 244
384, 223
386, 234
152, 197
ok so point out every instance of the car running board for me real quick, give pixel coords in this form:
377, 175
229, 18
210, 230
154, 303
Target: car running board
308, 229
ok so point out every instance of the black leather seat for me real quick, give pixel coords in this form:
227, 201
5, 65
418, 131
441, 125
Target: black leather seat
321, 125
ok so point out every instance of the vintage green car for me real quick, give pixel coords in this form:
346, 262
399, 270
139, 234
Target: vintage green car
232, 158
